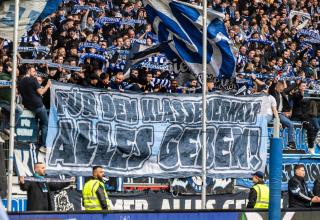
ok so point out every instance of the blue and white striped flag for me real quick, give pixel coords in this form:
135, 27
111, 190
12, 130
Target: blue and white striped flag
182, 23
29, 12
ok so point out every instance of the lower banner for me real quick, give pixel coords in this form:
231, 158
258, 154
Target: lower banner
189, 215
193, 185
69, 200
310, 163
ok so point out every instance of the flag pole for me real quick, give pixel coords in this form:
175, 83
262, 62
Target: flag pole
204, 107
13, 104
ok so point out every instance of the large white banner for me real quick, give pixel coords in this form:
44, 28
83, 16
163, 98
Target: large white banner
156, 135
29, 12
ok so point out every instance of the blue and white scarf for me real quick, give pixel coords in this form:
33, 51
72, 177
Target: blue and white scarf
153, 66
139, 41
312, 36
77, 8
92, 56
29, 39
260, 41
37, 49
112, 20
42, 179
51, 64
90, 45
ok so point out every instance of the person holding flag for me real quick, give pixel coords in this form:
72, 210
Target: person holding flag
38, 188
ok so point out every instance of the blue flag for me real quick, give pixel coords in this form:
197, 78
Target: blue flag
182, 23
29, 12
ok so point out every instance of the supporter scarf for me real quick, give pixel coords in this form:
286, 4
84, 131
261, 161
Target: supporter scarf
64, 66
121, 21
260, 41
108, 51
29, 39
46, 180
312, 40
307, 45
38, 49
44, 187
90, 45
269, 76
119, 66
157, 59
309, 33
74, 1
139, 41
85, 7
112, 51
42, 74
313, 37
155, 66
92, 56
108, 20
131, 21
50, 64
34, 61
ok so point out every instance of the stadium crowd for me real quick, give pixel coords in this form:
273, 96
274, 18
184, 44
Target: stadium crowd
87, 42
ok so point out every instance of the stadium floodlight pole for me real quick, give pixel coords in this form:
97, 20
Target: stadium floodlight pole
13, 103
204, 107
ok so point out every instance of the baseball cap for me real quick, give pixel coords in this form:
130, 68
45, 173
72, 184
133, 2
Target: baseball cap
258, 174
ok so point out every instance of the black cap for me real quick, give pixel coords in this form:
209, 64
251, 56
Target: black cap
258, 174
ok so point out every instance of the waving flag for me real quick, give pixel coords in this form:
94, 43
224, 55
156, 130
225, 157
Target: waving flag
182, 23
29, 12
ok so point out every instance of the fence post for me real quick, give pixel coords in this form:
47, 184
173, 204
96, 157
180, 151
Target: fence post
275, 173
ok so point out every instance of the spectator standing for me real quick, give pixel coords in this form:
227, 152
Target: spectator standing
280, 92
300, 107
314, 114
271, 112
31, 92
117, 82
259, 193
94, 193
299, 194
316, 190
38, 192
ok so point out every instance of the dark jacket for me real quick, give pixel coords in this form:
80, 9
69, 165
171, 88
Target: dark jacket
285, 99
299, 195
300, 107
253, 196
38, 194
316, 191
115, 86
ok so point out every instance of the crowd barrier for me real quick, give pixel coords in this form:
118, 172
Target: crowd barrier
292, 214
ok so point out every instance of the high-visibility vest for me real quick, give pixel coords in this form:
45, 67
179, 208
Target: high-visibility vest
89, 195
262, 196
